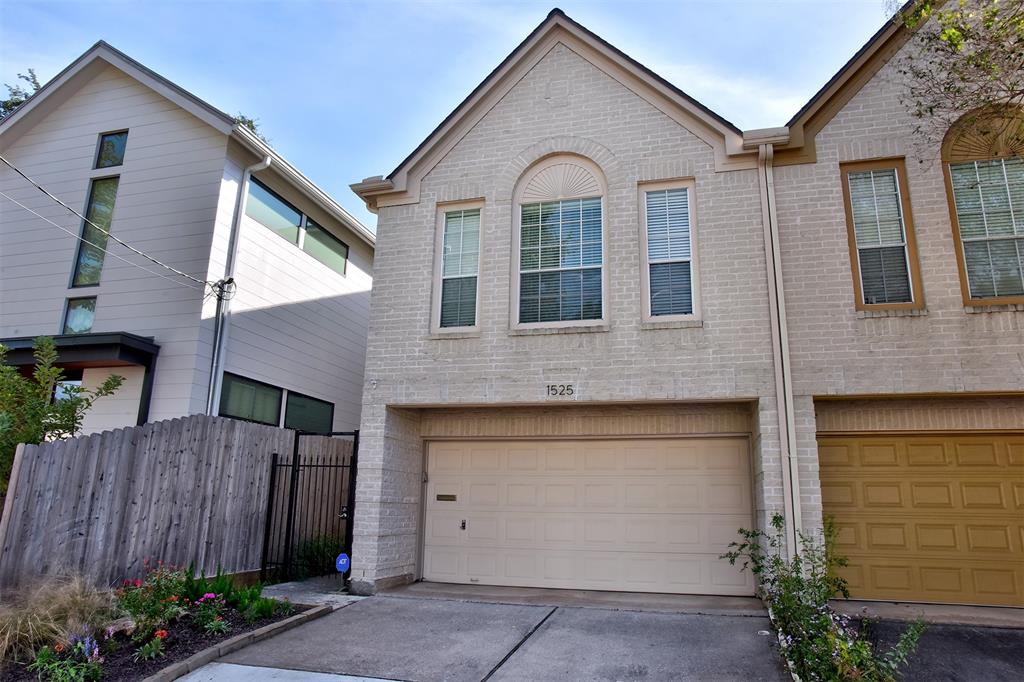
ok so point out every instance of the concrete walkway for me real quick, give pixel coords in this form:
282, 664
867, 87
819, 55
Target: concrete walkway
405, 638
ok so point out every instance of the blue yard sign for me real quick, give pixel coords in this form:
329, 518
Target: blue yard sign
342, 563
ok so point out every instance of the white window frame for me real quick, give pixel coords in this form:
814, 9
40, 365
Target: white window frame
645, 271
438, 278
517, 211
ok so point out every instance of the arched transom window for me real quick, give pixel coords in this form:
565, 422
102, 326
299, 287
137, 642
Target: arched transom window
559, 244
984, 158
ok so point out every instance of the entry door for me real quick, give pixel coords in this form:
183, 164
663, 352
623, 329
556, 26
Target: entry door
649, 515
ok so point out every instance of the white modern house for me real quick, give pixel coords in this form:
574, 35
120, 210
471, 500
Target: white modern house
181, 181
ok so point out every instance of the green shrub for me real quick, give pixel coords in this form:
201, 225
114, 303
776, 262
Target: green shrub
155, 601
195, 586
149, 651
74, 665
819, 643
317, 556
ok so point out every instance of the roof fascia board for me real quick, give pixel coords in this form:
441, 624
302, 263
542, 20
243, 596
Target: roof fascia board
402, 186
85, 65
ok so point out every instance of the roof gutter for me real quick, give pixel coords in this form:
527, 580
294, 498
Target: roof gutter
765, 141
226, 288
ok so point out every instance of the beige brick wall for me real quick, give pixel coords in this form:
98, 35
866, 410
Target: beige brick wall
728, 358
921, 414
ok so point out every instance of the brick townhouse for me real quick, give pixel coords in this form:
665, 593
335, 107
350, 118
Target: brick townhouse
609, 328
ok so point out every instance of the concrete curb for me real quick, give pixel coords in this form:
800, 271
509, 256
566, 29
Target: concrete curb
208, 655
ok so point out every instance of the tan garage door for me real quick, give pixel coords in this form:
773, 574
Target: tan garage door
634, 515
931, 518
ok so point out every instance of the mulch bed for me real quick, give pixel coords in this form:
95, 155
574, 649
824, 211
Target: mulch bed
183, 641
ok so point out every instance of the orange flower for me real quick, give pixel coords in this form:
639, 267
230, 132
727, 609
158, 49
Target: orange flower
160, 634
58, 647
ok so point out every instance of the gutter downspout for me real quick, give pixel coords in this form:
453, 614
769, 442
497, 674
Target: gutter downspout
221, 315
780, 346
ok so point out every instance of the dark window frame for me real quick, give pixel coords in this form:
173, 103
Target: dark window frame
307, 397
99, 148
254, 381
85, 225
67, 309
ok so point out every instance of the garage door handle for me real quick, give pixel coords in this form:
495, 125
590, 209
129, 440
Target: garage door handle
462, 526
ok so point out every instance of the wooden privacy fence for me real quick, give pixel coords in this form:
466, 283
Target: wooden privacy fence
185, 491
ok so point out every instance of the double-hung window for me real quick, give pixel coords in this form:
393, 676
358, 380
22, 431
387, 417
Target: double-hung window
670, 274
881, 235
460, 266
989, 200
560, 261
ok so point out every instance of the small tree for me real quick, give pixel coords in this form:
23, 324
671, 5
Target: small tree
252, 124
29, 411
964, 56
16, 94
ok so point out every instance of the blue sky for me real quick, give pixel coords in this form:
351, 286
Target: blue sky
346, 90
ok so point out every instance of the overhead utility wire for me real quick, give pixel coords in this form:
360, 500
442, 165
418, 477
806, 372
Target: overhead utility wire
17, 170
104, 250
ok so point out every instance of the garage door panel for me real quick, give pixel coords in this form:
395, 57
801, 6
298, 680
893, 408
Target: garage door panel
621, 515
934, 517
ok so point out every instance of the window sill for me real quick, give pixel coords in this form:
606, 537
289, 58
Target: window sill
437, 336
980, 307
896, 312
671, 324
574, 329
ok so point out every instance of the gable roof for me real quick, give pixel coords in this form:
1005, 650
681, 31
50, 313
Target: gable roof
401, 186
102, 54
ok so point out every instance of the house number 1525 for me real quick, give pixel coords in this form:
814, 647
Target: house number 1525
560, 389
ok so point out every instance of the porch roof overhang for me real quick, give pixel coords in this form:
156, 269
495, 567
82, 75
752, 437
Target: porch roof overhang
101, 349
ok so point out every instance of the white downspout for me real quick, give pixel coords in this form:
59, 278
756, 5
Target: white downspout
221, 317
780, 345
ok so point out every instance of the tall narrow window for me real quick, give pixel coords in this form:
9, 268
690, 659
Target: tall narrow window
100, 210
111, 149
883, 256
669, 238
79, 315
989, 199
460, 264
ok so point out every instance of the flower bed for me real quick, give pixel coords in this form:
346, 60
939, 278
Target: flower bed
132, 632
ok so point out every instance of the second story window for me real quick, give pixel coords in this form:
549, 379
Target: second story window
559, 244
460, 262
670, 275
79, 315
883, 253
111, 149
99, 212
268, 208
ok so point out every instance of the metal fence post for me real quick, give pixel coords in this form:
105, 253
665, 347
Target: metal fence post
353, 469
290, 522
269, 518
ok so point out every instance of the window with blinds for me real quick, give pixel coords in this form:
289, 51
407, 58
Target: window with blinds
460, 262
877, 217
669, 251
989, 199
560, 261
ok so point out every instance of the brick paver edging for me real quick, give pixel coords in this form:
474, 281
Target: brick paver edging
208, 655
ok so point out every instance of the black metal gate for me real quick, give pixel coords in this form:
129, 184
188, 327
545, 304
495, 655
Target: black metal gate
310, 508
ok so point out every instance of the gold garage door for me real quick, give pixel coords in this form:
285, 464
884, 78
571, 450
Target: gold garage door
928, 518
649, 515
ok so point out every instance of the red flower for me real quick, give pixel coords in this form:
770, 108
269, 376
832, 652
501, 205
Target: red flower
160, 634
137, 583
58, 647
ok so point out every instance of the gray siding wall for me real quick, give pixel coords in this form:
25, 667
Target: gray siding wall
295, 323
166, 200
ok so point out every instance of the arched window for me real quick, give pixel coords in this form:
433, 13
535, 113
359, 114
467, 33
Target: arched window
983, 156
559, 260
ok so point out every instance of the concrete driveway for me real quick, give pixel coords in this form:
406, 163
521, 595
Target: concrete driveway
424, 640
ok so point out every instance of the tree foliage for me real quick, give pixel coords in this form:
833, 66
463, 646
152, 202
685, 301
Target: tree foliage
966, 57
252, 124
28, 411
17, 93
